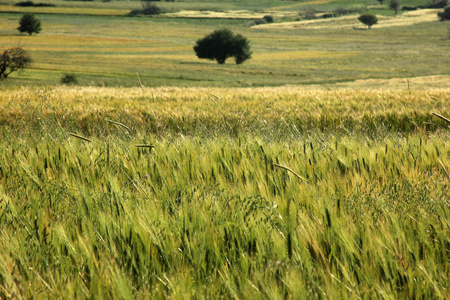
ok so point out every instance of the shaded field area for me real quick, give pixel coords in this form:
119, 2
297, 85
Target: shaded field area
224, 193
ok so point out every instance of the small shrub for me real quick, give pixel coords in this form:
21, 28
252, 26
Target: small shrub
258, 22
32, 4
68, 78
268, 19
444, 15
24, 3
439, 4
148, 8
327, 16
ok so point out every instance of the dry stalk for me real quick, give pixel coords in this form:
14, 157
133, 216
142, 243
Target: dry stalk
441, 117
79, 137
290, 170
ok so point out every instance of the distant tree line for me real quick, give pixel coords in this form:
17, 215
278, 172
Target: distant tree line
32, 4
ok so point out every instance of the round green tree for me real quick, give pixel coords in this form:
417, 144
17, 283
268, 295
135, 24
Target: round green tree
29, 24
368, 19
223, 44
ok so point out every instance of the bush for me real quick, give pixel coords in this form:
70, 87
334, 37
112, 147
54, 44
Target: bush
328, 16
444, 15
68, 78
32, 4
24, 3
342, 11
439, 4
222, 44
148, 8
13, 59
268, 19
29, 24
368, 19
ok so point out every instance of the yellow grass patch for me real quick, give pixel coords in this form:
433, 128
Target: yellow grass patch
303, 3
409, 18
348, 22
264, 103
286, 55
234, 14
421, 83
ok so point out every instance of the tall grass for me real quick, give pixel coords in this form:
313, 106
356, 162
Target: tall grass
206, 212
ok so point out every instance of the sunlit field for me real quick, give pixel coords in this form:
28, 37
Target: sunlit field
318, 169
110, 50
224, 193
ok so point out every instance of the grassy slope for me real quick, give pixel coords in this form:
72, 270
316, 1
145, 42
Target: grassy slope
110, 51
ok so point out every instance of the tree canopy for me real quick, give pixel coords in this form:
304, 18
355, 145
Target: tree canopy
12, 60
222, 44
368, 19
29, 24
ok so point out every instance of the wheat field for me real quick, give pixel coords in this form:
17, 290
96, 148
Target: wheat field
172, 193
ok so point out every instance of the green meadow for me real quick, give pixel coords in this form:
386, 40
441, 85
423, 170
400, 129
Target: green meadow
318, 169
110, 50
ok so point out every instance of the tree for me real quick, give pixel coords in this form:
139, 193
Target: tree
12, 60
444, 15
29, 24
368, 19
395, 4
148, 8
223, 44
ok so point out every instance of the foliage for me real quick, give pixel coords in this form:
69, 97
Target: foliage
213, 216
68, 78
264, 20
13, 59
368, 19
30, 3
222, 44
170, 61
29, 24
148, 8
395, 4
269, 18
445, 15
